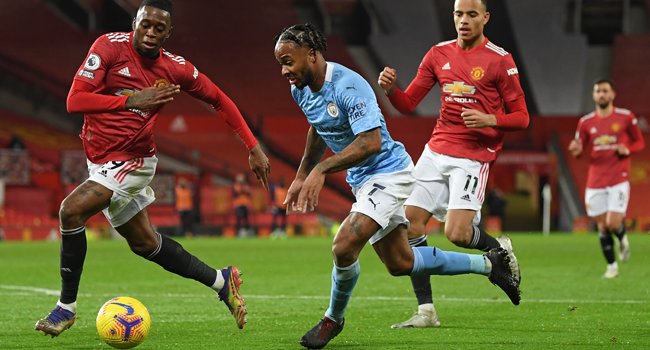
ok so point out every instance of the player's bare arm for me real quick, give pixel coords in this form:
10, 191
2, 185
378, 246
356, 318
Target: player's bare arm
152, 97
314, 150
260, 165
387, 80
363, 147
575, 147
478, 120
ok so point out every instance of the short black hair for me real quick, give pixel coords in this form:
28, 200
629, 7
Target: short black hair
305, 35
604, 80
165, 5
484, 2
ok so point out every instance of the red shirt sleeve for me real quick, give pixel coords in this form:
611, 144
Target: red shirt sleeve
518, 117
99, 59
636, 137
406, 101
201, 87
508, 83
82, 100
581, 133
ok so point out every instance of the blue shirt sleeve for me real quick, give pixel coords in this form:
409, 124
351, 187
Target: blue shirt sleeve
360, 106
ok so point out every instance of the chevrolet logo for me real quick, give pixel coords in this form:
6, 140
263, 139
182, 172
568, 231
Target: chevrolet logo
458, 88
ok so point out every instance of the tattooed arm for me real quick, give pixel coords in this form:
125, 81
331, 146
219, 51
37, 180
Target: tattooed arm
363, 147
366, 144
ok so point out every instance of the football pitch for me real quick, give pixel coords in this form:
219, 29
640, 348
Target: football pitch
565, 301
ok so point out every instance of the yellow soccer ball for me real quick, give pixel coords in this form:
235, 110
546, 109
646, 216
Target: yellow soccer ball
123, 322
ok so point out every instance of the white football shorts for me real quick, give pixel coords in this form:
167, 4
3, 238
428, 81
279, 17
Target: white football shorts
129, 180
382, 199
444, 182
601, 200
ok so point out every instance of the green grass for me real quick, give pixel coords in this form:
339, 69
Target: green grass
287, 283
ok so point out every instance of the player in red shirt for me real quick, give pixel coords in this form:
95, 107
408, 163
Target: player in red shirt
121, 88
476, 79
614, 134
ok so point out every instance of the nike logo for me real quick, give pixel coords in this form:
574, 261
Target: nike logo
351, 88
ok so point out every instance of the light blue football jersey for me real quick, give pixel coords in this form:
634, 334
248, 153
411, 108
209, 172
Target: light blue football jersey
344, 107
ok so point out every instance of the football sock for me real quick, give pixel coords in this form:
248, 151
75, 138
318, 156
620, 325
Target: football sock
421, 283
343, 281
433, 261
218, 284
72, 307
72, 256
173, 258
621, 232
607, 243
482, 240
426, 308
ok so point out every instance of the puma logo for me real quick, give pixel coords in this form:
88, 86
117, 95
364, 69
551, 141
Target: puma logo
373, 203
351, 88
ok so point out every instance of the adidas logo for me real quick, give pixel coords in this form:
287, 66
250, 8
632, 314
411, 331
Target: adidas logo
125, 71
103, 173
466, 197
446, 66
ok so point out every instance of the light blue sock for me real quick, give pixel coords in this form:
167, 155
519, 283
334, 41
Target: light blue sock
343, 281
433, 261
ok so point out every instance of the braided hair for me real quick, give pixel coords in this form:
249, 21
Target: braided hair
305, 35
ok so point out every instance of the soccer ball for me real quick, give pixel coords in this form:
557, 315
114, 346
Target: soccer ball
123, 322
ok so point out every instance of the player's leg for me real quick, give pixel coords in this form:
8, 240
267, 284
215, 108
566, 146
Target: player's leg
352, 236
596, 203
171, 256
401, 259
85, 201
426, 315
467, 184
617, 201
429, 195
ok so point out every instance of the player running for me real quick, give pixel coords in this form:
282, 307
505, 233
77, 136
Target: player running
614, 134
344, 115
476, 78
121, 88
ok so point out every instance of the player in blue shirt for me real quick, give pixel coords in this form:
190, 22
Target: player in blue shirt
344, 115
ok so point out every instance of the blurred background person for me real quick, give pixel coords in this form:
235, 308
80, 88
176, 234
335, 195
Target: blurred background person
241, 199
185, 206
614, 134
279, 210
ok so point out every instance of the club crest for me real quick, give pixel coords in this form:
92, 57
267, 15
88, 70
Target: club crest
332, 110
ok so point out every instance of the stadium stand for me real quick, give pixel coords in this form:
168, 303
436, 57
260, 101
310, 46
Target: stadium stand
631, 72
555, 61
408, 34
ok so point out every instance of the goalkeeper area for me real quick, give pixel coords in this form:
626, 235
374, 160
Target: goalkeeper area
565, 301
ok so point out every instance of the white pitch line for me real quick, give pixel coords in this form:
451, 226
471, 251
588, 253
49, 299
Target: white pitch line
24, 290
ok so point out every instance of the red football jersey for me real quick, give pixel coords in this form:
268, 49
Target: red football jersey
606, 167
114, 68
483, 78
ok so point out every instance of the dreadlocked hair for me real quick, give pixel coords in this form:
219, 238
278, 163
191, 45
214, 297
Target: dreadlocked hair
305, 35
165, 5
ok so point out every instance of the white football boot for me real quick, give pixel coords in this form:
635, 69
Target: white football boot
612, 271
506, 244
425, 317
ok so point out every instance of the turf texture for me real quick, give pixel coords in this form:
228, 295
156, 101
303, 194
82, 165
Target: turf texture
566, 304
